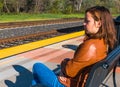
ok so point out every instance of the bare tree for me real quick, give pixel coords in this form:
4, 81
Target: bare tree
6, 7
38, 4
56, 6
17, 4
29, 5
78, 6
117, 4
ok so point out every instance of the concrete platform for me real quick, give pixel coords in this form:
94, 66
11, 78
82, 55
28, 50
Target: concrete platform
15, 71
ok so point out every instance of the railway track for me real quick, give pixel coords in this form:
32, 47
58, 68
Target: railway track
35, 23
19, 40
14, 41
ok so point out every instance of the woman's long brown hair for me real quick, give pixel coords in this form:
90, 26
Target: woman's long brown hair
107, 30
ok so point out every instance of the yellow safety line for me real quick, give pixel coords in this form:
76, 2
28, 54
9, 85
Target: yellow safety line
34, 45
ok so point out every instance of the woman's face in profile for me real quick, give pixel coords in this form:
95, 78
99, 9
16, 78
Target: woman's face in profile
91, 26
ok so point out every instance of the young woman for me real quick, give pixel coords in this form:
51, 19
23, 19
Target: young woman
99, 36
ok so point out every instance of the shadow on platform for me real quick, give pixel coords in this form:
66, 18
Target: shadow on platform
69, 46
23, 79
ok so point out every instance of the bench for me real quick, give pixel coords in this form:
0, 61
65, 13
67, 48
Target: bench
101, 69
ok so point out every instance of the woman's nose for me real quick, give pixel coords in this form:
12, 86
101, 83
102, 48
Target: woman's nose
84, 23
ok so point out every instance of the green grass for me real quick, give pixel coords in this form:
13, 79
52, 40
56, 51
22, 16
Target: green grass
115, 15
31, 17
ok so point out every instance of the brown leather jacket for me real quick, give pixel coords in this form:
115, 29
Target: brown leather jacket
87, 54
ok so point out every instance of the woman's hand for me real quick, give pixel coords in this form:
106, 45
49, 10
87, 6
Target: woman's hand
64, 79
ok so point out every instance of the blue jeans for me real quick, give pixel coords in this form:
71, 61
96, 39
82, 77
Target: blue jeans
43, 75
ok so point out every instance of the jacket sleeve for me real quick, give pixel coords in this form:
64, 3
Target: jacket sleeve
84, 56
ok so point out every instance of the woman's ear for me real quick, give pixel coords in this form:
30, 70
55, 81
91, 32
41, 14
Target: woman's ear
98, 24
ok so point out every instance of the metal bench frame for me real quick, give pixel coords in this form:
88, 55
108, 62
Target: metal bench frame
101, 69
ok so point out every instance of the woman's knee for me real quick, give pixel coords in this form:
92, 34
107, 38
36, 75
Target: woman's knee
37, 66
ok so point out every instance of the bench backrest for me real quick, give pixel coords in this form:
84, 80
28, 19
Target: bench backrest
101, 69
117, 25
